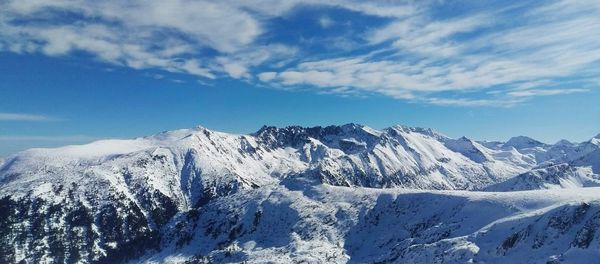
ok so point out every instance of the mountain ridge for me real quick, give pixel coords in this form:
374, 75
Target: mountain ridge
136, 193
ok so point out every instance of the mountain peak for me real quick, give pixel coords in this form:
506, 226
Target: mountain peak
563, 142
295, 135
519, 142
332, 129
425, 131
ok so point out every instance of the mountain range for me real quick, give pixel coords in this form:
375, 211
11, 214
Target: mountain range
335, 194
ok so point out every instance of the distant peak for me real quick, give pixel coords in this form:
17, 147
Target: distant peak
595, 141
523, 142
200, 128
520, 138
297, 135
333, 129
425, 131
265, 129
563, 142
352, 126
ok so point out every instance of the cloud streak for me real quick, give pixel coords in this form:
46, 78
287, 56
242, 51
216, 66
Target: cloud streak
69, 138
26, 117
536, 92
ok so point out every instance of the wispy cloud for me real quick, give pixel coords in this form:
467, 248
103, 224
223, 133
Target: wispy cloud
537, 92
174, 36
68, 138
425, 56
483, 56
423, 36
26, 117
325, 21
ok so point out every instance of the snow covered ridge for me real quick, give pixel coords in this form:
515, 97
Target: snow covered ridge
116, 200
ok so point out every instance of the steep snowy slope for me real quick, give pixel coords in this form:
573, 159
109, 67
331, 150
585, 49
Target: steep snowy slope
107, 200
537, 152
113, 200
326, 224
565, 165
354, 155
591, 159
549, 177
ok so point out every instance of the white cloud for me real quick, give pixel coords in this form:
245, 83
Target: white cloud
472, 102
236, 70
169, 35
238, 65
165, 35
325, 22
388, 76
219, 26
539, 92
418, 34
380, 8
26, 117
267, 76
505, 54
191, 66
424, 57
69, 138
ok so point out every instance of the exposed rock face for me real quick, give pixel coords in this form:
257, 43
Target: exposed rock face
37, 230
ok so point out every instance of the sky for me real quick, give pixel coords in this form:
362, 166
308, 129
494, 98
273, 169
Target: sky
74, 71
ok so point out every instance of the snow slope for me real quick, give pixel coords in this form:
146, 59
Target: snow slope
550, 177
327, 224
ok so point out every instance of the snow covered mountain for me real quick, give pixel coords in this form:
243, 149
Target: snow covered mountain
327, 224
319, 194
550, 177
522, 142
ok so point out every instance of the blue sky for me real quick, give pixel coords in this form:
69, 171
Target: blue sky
76, 71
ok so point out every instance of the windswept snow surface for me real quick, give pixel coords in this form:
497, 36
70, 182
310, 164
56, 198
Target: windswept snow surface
326, 224
550, 177
331, 194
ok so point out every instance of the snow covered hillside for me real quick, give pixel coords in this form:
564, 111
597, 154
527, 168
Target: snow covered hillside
326, 224
322, 194
550, 177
